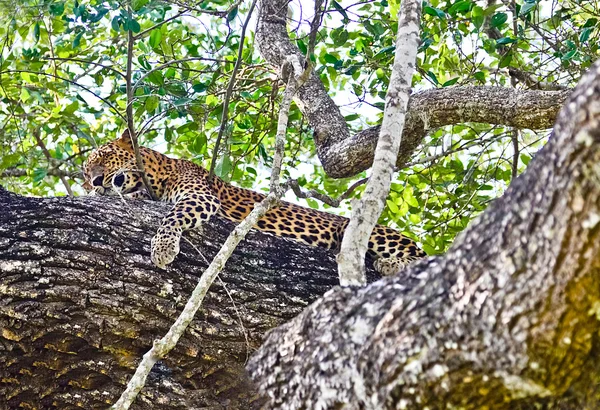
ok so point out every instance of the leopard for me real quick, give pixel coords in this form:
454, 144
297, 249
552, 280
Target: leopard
110, 170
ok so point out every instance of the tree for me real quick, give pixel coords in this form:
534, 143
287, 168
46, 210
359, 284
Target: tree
175, 93
508, 318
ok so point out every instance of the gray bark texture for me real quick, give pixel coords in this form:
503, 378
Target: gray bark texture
343, 154
81, 302
509, 318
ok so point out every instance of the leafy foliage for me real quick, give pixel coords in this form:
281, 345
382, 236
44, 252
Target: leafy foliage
62, 91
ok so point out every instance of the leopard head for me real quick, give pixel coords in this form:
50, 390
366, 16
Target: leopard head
104, 162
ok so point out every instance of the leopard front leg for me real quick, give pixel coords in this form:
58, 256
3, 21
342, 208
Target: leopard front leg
188, 213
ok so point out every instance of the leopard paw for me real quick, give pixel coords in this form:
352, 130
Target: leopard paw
165, 246
389, 266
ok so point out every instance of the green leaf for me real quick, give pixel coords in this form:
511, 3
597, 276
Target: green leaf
525, 159
77, 40
232, 14
199, 144
408, 196
460, 7
199, 87
223, 167
339, 37
156, 77
115, 23
39, 174
590, 22
341, 10
187, 127
432, 11
585, 34
136, 5
450, 82
505, 61
36, 32
433, 77
155, 38
527, 7
331, 59
352, 117
505, 40
151, 103
568, 56
392, 206
302, 46
498, 20
71, 108
134, 26
387, 50
57, 9
480, 76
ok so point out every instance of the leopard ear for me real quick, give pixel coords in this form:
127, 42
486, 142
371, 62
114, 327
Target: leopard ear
125, 141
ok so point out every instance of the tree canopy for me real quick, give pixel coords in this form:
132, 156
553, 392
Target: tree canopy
62, 92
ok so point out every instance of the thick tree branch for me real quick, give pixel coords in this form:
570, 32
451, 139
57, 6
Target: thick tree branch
509, 318
80, 303
343, 154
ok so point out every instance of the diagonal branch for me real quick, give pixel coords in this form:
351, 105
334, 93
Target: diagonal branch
351, 259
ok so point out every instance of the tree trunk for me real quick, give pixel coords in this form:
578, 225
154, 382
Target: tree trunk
80, 302
508, 319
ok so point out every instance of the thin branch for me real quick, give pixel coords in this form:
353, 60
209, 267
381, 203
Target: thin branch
40, 142
515, 161
144, 32
224, 116
79, 60
312, 193
209, 12
314, 29
129, 110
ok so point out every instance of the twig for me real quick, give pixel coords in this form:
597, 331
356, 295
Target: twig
314, 29
63, 179
225, 114
515, 161
79, 60
144, 32
129, 110
311, 193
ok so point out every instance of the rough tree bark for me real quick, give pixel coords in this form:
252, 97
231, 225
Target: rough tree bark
509, 318
343, 154
81, 302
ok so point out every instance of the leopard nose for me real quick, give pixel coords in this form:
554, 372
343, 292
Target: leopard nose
98, 180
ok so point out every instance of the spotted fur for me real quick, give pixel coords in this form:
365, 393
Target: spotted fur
111, 170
